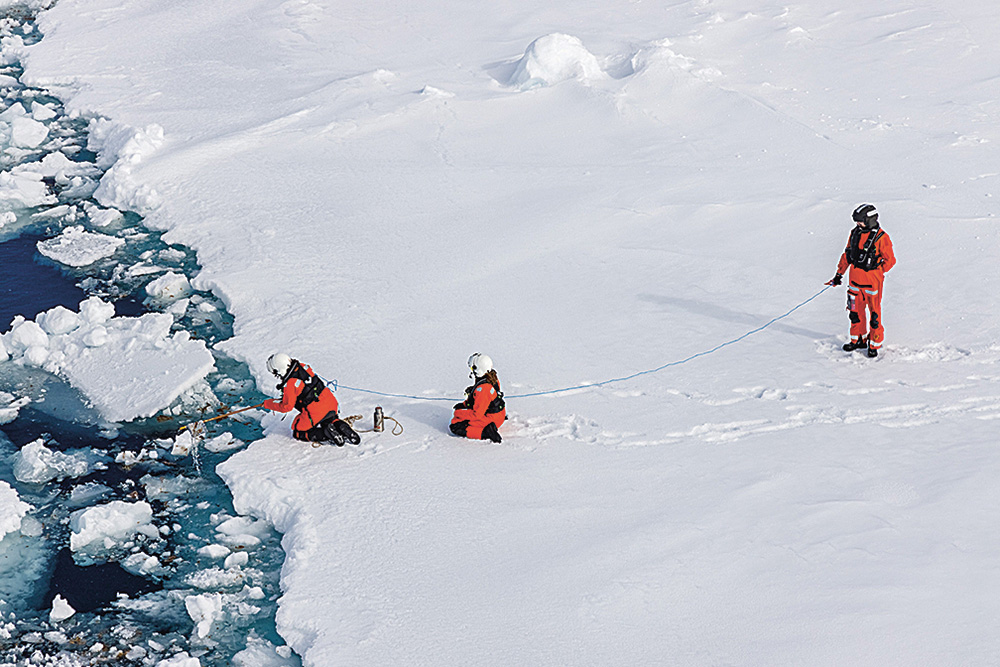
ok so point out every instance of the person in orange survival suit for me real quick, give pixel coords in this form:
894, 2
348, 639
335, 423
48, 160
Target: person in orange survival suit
869, 254
482, 412
303, 390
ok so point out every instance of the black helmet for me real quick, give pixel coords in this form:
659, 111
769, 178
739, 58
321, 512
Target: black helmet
866, 214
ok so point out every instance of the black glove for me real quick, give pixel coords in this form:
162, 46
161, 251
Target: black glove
836, 280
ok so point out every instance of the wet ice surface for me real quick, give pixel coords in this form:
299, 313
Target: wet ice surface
131, 552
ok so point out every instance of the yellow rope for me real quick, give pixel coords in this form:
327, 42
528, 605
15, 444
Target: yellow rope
396, 430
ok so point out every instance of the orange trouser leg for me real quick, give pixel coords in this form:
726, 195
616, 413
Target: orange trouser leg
874, 303
856, 311
860, 300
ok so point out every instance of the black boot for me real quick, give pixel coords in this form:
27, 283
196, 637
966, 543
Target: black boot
332, 434
346, 432
490, 432
855, 345
872, 352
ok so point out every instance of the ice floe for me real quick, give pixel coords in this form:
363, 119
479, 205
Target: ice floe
100, 528
12, 509
11, 405
25, 131
77, 247
102, 217
241, 531
21, 190
37, 464
204, 610
169, 287
61, 609
127, 367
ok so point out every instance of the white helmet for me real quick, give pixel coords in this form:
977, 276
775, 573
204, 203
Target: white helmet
480, 364
279, 364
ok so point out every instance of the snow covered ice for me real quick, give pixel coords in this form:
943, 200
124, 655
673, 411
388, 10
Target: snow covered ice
127, 367
37, 464
582, 192
76, 247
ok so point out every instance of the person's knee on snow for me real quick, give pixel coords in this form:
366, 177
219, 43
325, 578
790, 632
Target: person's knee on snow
483, 405
302, 390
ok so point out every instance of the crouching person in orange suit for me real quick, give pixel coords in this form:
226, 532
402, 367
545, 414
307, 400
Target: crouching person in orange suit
301, 389
483, 411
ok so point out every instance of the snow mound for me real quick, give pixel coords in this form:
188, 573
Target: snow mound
128, 367
76, 247
12, 510
119, 149
659, 56
104, 525
555, 58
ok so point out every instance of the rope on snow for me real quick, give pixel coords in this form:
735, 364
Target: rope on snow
590, 385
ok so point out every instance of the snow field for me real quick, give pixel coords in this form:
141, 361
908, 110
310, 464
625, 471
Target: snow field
585, 192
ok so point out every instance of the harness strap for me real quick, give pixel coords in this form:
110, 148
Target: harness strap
863, 257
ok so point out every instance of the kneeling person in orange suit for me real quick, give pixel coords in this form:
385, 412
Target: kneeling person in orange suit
482, 412
301, 389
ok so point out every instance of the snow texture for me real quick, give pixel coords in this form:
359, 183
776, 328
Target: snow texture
583, 191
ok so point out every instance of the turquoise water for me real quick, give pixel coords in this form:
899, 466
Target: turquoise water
127, 613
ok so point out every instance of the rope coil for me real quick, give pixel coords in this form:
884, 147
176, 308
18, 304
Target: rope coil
395, 430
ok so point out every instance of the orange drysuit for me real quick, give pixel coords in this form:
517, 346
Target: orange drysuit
315, 407
483, 406
869, 264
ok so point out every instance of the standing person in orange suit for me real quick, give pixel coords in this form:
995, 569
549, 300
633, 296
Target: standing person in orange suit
303, 390
483, 411
869, 254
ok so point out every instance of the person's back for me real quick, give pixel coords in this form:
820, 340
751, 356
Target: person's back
301, 389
